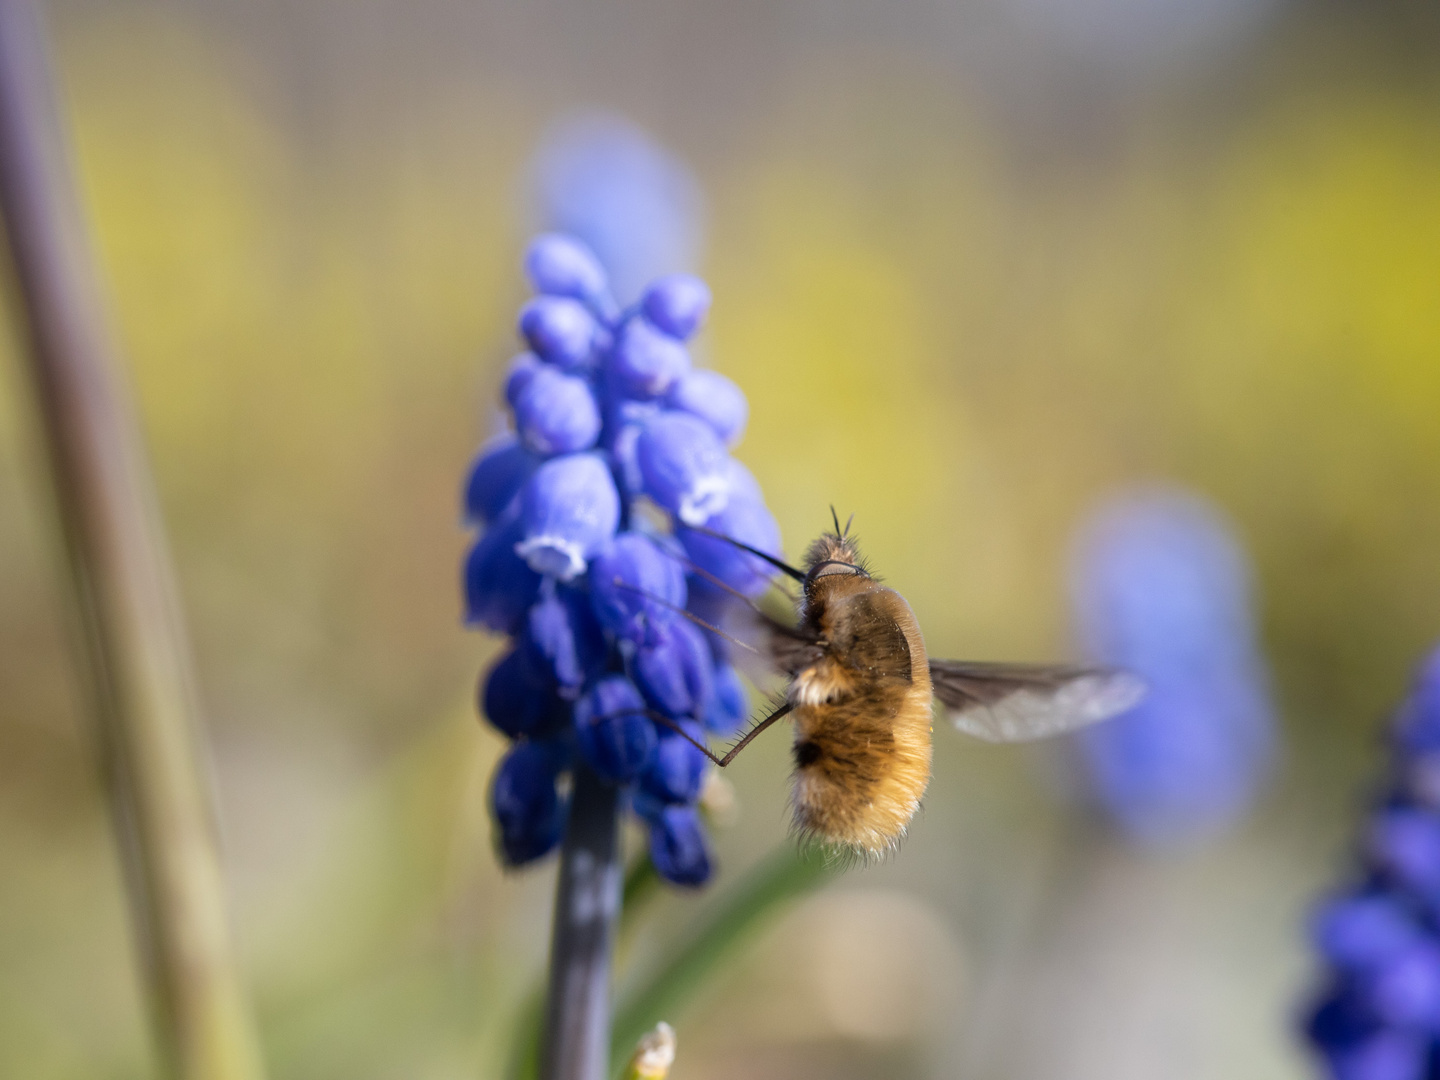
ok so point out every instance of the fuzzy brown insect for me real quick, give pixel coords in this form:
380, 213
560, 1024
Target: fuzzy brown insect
861, 694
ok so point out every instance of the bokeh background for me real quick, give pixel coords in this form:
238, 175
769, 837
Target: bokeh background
977, 264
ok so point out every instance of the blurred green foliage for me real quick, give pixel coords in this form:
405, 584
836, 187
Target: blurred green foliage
959, 333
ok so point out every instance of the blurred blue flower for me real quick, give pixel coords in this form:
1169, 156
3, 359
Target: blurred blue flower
604, 659
1377, 1016
602, 180
1162, 587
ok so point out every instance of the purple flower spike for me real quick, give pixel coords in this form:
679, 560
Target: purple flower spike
560, 265
684, 467
676, 770
713, 398
615, 736
525, 804
676, 674
499, 586
556, 413
568, 509
677, 304
646, 361
748, 522
560, 330
678, 848
500, 470
634, 587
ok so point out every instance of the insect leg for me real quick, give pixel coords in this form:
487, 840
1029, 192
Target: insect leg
761, 726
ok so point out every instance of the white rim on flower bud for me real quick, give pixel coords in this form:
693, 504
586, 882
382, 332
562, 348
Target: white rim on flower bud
707, 497
553, 555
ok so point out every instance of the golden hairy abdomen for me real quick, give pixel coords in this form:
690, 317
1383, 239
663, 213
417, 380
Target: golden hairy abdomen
862, 748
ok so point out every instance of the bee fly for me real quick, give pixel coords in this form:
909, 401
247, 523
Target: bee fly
860, 694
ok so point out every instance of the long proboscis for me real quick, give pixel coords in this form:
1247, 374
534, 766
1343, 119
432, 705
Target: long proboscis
779, 564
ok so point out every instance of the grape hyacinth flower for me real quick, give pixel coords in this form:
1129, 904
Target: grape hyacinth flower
1378, 1015
590, 591
1162, 588
587, 560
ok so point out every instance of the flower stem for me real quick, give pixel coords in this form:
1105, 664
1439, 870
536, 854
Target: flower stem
576, 1040
132, 645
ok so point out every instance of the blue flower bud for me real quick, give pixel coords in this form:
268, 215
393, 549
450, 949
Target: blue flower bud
729, 702
556, 413
677, 304
1417, 727
612, 731
684, 467
499, 586
676, 770
631, 583
748, 521
1340, 1021
1404, 991
646, 362
516, 702
713, 398
676, 672
522, 369
1406, 844
560, 330
568, 509
526, 807
500, 469
678, 848
563, 640
560, 265
1357, 932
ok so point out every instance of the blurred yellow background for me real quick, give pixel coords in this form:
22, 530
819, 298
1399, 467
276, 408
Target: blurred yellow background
970, 283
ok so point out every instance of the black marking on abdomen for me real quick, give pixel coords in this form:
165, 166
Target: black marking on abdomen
806, 753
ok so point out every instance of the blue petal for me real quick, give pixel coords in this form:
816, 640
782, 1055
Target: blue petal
1406, 845
612, 731
517, 703
556, 413
684, 467
500, 470
563, 640
1404, 990
729, 703
713, 398
634, 587
1357, 932
522, 369
1417, 728
677, 304
678, 848
675, 673
645, 362
527, 809
748, 521
499, 586
560, 330
561, 265
676, 770
569, 508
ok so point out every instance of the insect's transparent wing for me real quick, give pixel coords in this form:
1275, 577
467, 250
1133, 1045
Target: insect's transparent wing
1019, 702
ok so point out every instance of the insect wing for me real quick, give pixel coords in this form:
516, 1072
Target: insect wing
1019, 702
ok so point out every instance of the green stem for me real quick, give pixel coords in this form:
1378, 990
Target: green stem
133, 646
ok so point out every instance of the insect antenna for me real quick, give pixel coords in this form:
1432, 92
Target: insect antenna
622, 584
848, 522
836, 519
779, 564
